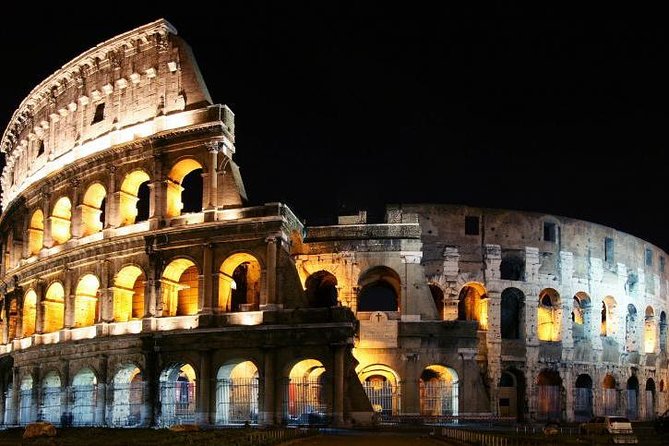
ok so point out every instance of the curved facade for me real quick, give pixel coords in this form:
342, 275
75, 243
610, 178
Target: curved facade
139, 288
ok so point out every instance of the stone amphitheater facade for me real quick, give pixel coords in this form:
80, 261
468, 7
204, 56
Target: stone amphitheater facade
139, 288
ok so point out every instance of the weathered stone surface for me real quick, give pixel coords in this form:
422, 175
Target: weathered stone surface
39, 429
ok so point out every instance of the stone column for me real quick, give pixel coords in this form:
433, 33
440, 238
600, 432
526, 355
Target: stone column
267, 414
16, 389
206, 305
212, 200
204, 401
68, 319
76, 221
112, 201
158, 196
339, 369
409, 385
271, 297
40, 289
46, 209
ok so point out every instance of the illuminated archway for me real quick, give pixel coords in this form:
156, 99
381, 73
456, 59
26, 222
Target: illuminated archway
133, 205
438, 299
61, 221
177, 395
36, 232
237, 393
26, 411
129, 294
473, 304
583, 398
581, 317
379, 290
85, 398
128, 395
92, 209
439, 391
549, 402
608, 316
86, 301
649, 331
321, 289
381, 383
305, 390
174, 185
610, 396
29, 314
54, 307
179, 285
549, 315
239, 283
632, 398
51, 394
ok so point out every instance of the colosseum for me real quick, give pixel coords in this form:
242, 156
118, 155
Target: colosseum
139, 287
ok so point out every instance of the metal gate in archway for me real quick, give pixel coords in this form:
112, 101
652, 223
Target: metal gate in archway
304, 402
237, 401
384, 397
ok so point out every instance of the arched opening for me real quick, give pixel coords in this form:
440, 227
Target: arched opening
51, 393
239, 283
85, 398
631, 337
439, 390
650, 399
184, 194
92, 218
12, 319
473, 304
381, 383
609, 396
438, 298
305, 393
513, 301
633, 398
580, 317
583, 398
321, 289
86, 301
607, 327
128, 395
549, 401
54, 307
649, 331
511, 391
134, 198
26, 412
179, 286
512, 267
549, 315
36, 233
61, 220
29, 315
663, 331
237, 386
177, 395
379, 290
129, 294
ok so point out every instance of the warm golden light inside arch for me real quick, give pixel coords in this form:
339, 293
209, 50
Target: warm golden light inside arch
91, 209
240, 370
86, 301
54, 307
129, 196
174, 189
307, 369
128, 294
29, 312
61, 220
36, 232
608, 319
649, 331
549, 316
443, 373
226, 283
473, 304
179, 286
388, 373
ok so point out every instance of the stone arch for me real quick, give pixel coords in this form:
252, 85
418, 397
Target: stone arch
134, 198
54, 307
179, 284
583, 398
128, 408
92, 209
379, 290
306, 400
511, 394
609, 395
382, 385
608, 316
631, 335
240, 282
549, 315
129, 293
85, 398
26, 407
438, 298
176, 189
237, 384
61, 221
439, 391
473, 304
663, 331
36, 232
581, 316
29, 312
512, 266
12, 319
651, 403
549, 395
51, 390
321, 289
86, 301
512, 320
632, 398
649, 331
178, 396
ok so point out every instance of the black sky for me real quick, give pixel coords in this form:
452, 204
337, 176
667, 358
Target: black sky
342, 107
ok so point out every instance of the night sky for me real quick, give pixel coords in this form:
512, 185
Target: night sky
341, 108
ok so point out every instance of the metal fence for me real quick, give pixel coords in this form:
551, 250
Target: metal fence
128, 406
438, 398
25, 407
582, 403
304, 402
177, 403
385, 397
84, 402
548, 403
237, 401
50, 407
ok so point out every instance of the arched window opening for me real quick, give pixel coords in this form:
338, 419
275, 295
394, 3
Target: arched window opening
381, 384
511, 313
50, 400
583, 398
321, 289
609, 396
379, 290
473, 304
306, 393
438, 298
129, 294
549, 316
128, 395
237, 386
439, 390
27, 414
36, 233
650, 405
663, 331
29, 315
649, 331
512, 267
177, 395
61, 220
85, 398
608, 320
54, 307
86, 301
239, 283
182, 193
180, 288
92, 209
511, 394
549, 402
633, 398
134, 198
631, 336
580, 317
